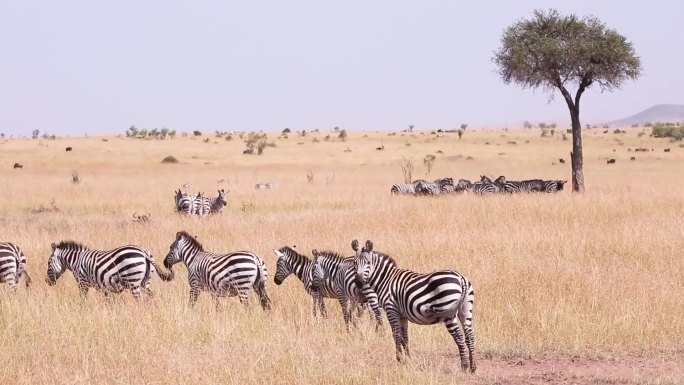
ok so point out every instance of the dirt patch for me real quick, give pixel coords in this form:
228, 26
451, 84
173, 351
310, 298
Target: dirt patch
558, 369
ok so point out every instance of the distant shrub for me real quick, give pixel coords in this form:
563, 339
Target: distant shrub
197, 133
286, 131
665, 131
343, 135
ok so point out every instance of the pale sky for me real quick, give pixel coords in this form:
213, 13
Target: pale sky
75, 67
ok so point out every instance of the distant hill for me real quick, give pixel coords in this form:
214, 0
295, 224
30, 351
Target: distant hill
658, 113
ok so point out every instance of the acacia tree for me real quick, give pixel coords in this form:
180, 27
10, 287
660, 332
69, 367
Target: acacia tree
554, 52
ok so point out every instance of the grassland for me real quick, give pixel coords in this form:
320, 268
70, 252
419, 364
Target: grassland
597, 276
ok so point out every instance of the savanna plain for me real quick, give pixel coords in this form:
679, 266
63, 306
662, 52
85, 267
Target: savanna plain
569, 288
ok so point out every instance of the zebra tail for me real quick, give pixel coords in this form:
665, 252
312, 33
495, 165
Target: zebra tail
162, 273
262, 276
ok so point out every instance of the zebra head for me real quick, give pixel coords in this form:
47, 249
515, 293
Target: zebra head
56, 265
484, 179
286, 263
222, 199
363, 261
183, 243
500, 180
463, 184
319, 273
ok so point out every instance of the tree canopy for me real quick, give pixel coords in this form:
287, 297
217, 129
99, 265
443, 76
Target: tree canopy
551, 50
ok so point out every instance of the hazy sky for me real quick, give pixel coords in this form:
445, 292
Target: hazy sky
75, 67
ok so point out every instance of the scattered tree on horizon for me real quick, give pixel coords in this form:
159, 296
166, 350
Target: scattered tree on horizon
553, 51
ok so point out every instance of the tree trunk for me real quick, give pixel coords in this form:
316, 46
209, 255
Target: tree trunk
576, 154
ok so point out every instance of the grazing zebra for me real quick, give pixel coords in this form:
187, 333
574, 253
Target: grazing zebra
205, 205
532, 185
12, 266
424, 299
126, 267
403, 188
291, 262
221, 274
554, 185
476, 188
184, 203
264, 186
428, 188
338, 274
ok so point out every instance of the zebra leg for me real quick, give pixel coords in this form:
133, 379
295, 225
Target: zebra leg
83, 288
455, 331
263, 298
404, 335
321, 305
372, 299
395, 323
360, 307
135, 290
315, 305
12, 283
346, 312
243, 295
194, 293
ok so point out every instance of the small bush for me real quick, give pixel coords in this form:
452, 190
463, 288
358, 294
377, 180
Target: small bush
170, 159
75, 178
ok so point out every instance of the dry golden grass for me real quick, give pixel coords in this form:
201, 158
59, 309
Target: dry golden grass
591, 275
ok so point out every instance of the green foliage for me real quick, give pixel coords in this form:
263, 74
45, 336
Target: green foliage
665, 131
551, 50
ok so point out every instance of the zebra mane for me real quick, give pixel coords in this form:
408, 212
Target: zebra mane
292, 253
329, 254
387, 257
70, 245
191, 240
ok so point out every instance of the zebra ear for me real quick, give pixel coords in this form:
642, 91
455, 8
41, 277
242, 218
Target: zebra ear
53, 246
314, 252
355, 245
369, 246
179, 235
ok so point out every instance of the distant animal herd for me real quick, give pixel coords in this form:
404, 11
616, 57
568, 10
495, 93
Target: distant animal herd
483, 187
368, 277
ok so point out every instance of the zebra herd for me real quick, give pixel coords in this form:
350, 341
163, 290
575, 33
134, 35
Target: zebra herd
368, 277
483, 187
199, 204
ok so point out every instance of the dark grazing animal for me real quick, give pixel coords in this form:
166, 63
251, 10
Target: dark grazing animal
18, 165
610, 161
68, 149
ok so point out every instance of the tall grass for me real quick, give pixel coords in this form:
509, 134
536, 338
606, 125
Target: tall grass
593, 274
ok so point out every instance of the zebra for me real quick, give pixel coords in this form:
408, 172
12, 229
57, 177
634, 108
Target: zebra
554, 185
476, 188
424, 299
428, 188
291, 262
125, 267
264, 186
184, 203
12, 266
221, 274
403, 188
532, 185
338, 274
205, 205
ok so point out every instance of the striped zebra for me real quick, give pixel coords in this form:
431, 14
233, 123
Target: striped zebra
428, 188
476, 188
338, 274
291, 262
551, 186
221, 274
264, 186
424, 299
403, 188
12, 266
532, 185
184, 202
206, 206
125, 267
